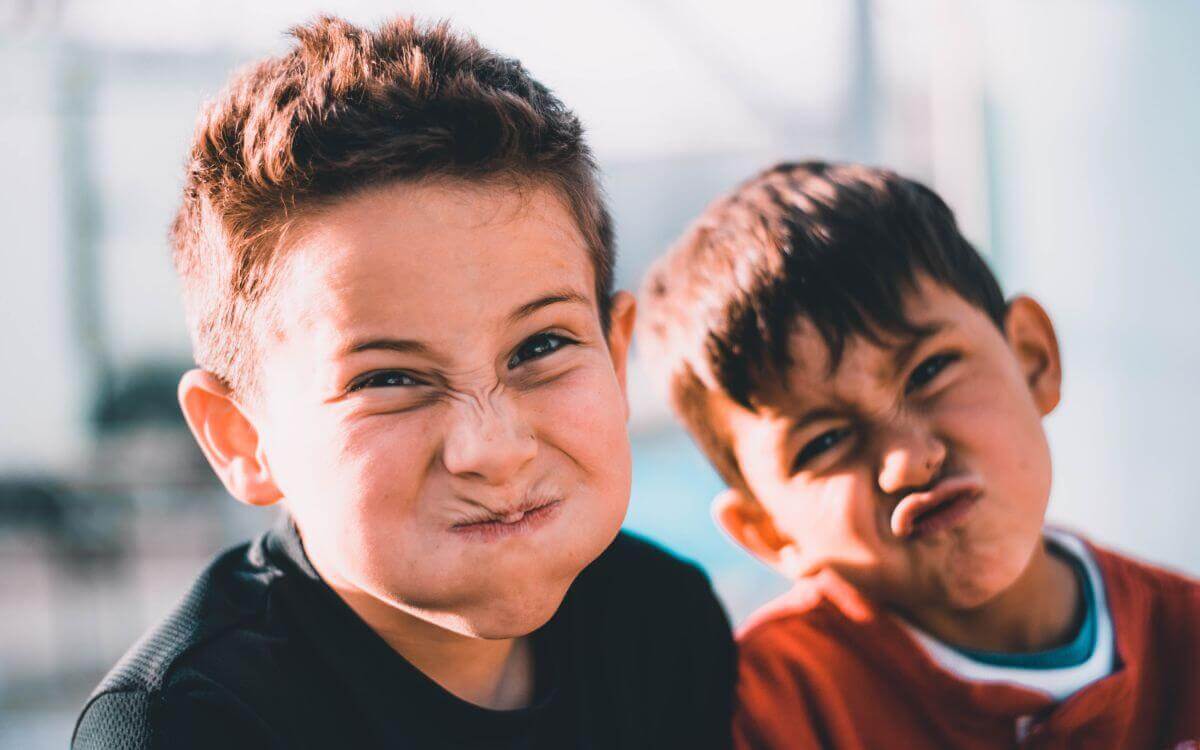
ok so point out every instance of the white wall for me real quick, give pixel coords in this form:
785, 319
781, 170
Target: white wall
42, 382
1093, 118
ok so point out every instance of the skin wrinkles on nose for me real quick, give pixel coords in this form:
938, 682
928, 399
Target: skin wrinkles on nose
491, 420
485, 403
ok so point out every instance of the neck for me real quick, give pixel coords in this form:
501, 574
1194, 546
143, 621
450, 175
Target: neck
1039, 611
495, 674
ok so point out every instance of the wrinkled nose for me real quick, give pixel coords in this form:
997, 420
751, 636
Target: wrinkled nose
910, 458
488, 443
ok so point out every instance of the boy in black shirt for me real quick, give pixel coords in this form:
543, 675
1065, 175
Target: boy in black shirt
397, 268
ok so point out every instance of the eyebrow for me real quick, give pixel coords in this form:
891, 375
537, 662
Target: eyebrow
554, 298
403, 346
412, 346
900, 358
904, 352
815, 415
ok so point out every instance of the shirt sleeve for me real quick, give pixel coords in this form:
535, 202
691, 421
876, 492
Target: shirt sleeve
773, 708
197, 714
116, 720
200, 713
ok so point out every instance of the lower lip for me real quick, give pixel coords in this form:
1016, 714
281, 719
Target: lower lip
946, 516
494, 531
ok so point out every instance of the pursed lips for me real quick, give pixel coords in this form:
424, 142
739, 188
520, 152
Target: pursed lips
492, 525
941, 506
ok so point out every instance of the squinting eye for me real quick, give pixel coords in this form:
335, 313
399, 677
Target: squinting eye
928, 370
384, 379
817, 446
536, 347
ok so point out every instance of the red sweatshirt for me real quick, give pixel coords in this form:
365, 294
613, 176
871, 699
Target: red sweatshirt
824, 667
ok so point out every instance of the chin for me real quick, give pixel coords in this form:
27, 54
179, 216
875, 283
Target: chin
512, 619
984, 580
967, 596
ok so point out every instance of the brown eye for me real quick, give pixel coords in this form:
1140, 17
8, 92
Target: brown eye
536, 347
384, 379
928, 370
817, 446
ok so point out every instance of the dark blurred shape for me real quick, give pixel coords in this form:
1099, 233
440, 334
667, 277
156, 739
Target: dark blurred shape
140, 396
85, 532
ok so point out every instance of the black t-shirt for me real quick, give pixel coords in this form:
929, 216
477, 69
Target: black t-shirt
262, 654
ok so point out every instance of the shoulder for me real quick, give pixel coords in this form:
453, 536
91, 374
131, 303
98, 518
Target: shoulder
643, 599
813, 635
794, 666
188, 714
115, 719
1156, 618
645, 577
799, 615
642, 610
230, 590
630, 552
1165, 601
653, 645
1129, 581
219, 612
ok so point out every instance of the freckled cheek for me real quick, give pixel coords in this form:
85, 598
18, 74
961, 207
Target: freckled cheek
383, 461
997, 430
1002, 438
582, 414
854, 507
839, 512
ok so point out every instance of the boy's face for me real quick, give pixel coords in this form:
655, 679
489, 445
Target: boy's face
919, 470
441, 410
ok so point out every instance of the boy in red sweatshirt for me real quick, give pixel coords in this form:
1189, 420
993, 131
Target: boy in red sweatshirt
849, 364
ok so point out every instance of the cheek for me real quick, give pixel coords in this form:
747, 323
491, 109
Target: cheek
340, 470
383, 458
1001, 436
837, 513
997, 425
850, 512
581, 418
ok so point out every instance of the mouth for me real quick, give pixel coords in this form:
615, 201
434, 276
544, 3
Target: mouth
523, 520
945, 506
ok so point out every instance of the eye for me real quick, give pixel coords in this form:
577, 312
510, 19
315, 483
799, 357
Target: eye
384, 379
928, 370
819, 445
536, 347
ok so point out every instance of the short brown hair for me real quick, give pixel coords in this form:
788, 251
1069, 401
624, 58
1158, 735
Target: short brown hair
837, 245
344, 110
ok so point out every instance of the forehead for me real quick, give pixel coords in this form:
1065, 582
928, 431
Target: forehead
930, 308
427, 260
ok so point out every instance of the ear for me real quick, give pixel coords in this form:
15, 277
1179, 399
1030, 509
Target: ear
1031, 336
748, 523
622, 313
227, 437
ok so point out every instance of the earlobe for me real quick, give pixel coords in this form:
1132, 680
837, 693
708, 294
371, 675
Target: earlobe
747, 523
1032, 339
227, 437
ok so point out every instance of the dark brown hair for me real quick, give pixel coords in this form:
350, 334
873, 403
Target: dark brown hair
835, 245
347, 109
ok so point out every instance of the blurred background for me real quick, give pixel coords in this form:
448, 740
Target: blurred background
1063, 133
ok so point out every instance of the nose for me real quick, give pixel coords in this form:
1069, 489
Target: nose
488, 442
911, 456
